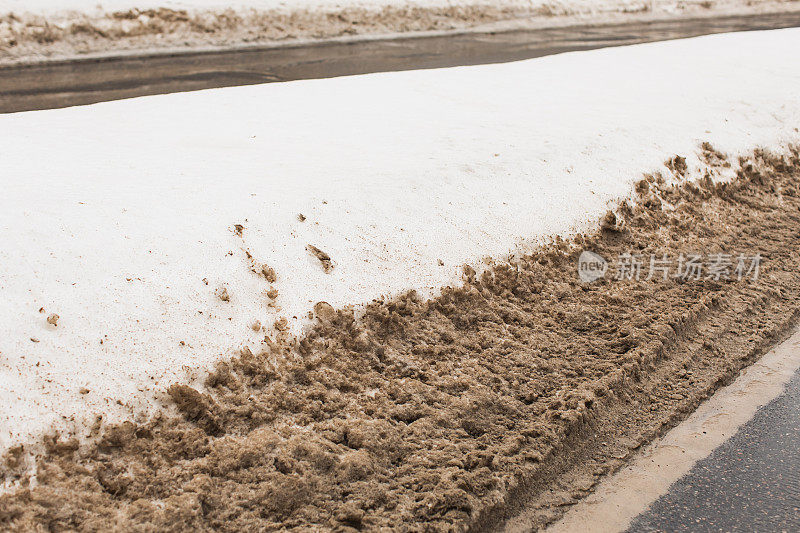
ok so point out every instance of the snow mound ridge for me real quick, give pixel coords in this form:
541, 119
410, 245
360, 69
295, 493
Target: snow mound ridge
163, 230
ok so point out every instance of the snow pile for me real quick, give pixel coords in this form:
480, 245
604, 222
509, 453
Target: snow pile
144, 224
51, 6
544, 6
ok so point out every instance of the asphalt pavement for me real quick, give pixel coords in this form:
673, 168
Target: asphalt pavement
749, 483
54, 84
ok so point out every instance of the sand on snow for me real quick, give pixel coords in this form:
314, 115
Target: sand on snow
122, 217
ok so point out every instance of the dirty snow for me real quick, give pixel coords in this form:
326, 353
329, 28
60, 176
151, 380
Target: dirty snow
50, 6
113, 215
548, 7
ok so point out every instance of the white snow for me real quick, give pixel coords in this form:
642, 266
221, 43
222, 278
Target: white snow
112, 215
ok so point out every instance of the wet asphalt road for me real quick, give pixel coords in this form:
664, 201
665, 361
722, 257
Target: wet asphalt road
750, 483
56, 84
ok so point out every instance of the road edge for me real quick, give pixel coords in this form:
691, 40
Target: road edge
619, 498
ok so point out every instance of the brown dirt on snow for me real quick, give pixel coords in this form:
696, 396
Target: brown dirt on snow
523, 386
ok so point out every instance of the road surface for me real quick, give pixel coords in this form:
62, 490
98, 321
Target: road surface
55, 84
750, 483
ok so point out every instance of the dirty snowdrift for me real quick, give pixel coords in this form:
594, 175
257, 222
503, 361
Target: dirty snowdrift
34, 30
146, 225
446, 414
